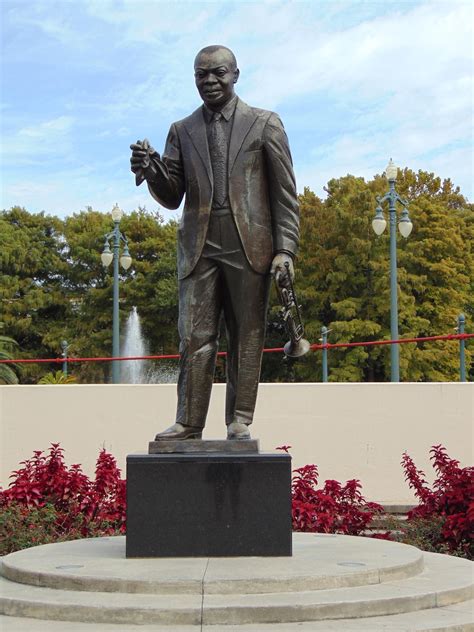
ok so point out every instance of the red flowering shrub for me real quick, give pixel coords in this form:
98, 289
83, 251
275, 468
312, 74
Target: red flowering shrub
47, 501
449, 503
335, 508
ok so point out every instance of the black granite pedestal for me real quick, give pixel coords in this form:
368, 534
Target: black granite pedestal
208, 505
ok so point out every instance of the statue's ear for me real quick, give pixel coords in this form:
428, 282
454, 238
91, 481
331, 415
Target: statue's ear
236, 75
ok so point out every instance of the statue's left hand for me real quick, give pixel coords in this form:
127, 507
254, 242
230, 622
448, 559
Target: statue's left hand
278, 267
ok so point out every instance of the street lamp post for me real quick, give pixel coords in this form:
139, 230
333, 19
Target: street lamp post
125, 261
405, 226
64, 347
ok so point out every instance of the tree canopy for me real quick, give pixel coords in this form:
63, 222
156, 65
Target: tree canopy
344, 275
54, 287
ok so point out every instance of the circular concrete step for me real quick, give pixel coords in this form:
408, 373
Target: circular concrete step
454, 618
323, 582
319, 562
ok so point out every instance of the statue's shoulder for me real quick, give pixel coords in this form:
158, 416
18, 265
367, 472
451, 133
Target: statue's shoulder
193, 118
258, 112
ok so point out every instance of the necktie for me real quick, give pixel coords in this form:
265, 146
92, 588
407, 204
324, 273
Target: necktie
218, 152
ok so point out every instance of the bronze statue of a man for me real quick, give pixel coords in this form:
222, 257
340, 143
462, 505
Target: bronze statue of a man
240, 225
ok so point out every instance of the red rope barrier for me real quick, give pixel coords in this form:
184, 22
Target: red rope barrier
175, 356
373, 343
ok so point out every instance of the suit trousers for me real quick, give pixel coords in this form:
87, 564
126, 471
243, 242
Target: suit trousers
221, 284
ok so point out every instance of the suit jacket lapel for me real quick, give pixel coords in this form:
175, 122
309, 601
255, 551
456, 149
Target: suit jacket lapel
244, 118
196, 128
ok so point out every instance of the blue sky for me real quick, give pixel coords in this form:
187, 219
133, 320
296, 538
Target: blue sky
354, 82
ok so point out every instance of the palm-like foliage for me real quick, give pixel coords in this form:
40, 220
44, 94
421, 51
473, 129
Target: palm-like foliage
57, 377
8, 372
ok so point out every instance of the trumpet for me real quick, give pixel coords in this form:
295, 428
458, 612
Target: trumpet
296, 346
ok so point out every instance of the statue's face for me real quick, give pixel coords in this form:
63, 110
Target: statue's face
215, 75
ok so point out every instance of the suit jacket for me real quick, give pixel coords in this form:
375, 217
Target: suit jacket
262, 189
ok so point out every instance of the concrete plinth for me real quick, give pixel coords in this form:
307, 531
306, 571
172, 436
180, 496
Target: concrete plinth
208, 505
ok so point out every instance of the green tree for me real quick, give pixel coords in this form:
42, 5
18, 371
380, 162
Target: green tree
338, 261
32, 293
54, 287
150, 285
89, 285
437, 266
344, 276
8, 372
153, 286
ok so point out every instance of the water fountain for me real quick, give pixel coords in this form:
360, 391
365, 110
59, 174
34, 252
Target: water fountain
165, 372
143, 371
133, 371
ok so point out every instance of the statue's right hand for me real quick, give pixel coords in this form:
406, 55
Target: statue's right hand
141, 152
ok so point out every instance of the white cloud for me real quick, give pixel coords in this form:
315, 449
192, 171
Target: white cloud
356, 83
413, 65
56, 127
156, 94
146, 22
405, 82
427, 47
68, 190
38, 143
48, 18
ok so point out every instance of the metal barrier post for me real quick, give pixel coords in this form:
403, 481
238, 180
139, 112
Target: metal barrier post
462, 355
64, 347
324, 339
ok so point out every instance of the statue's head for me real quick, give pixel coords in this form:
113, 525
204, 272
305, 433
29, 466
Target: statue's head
215, 73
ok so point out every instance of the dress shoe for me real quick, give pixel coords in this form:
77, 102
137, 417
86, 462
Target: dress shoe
238, 431
178, 431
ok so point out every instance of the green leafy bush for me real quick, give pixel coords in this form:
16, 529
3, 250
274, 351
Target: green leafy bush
57, 377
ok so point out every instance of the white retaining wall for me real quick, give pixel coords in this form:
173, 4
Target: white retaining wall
348, 430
